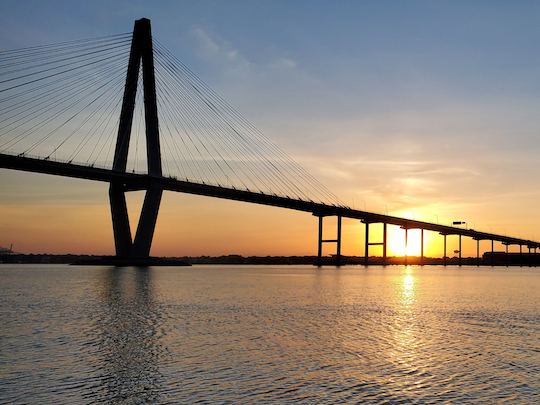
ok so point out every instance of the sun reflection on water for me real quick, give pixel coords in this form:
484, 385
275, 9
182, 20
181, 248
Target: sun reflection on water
405, 342
407, 290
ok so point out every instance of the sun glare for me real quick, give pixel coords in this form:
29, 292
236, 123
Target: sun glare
396, 242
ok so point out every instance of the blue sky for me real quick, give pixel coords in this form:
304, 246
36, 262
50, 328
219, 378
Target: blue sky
422, 108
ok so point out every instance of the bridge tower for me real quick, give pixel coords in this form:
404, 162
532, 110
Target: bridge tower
141, 55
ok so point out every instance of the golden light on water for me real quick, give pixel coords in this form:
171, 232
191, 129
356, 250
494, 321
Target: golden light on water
404, 351
407, 290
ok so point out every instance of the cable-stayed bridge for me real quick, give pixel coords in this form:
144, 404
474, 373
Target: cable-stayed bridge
124, 110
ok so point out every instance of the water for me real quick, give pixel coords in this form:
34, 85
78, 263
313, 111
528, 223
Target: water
268, 334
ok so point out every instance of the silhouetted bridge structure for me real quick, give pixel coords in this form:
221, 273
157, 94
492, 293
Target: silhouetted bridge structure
33, 111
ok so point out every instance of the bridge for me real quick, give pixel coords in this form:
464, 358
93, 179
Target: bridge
58, 105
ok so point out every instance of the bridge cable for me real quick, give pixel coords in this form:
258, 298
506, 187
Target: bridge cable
271, 164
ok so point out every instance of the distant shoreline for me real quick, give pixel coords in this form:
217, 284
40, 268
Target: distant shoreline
499, 259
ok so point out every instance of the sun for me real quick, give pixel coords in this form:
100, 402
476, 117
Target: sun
396, 242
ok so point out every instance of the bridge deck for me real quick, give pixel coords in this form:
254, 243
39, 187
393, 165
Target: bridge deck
136, 181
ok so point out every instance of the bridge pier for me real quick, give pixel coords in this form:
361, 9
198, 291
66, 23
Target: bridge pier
406, 256
366, 247
477, 252
338, 242
459, 260
321, 241
406, 245
444, 250
368, 243
385, 238
421, 246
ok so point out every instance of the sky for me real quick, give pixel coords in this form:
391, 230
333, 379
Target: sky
422, 109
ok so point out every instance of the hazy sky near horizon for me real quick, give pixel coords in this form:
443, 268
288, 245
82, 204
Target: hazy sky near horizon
427, 109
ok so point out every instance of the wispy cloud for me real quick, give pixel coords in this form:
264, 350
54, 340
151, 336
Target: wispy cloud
216, 49
222, 52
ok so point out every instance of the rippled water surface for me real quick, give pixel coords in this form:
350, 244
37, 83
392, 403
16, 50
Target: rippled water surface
269, 334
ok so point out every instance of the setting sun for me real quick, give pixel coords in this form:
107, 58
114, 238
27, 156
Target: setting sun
396, 242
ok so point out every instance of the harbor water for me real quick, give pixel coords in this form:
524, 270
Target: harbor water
269, 334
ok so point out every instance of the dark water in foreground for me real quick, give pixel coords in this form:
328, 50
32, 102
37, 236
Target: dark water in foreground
268, 334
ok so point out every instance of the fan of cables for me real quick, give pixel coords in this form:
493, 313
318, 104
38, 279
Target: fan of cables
62, 102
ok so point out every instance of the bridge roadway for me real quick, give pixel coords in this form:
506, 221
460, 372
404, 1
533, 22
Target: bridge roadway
137, 181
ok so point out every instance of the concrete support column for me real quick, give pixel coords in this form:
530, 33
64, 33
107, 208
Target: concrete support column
459, 262
366, 248
492, 251
444, 254
338, 241
384, 242
320, 241
422, 247
406, 245
478, 252
319, 244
